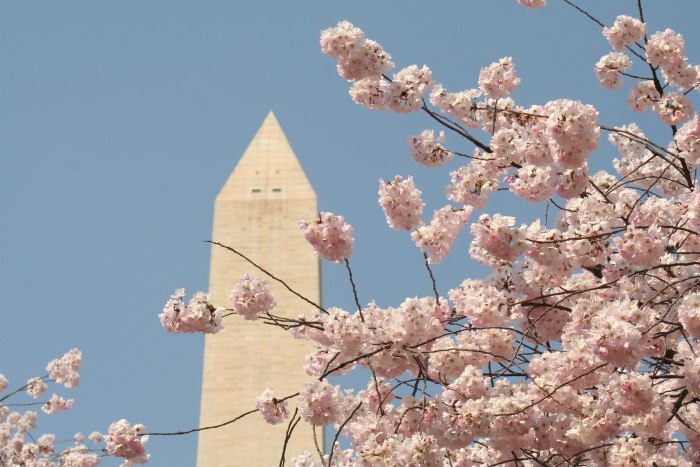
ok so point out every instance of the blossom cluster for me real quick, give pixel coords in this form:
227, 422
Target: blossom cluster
581, 343
330, 236
272, 410
590, 316
401, 202
197, 316
499, 79
65, 369
124, 440
365, 64
427, 150
664, 50
251, 297
19, 443
437, 238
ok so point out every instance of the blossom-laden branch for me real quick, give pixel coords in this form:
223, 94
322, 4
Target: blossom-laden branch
581, 344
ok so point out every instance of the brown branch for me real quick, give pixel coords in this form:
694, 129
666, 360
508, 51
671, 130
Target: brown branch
354, 290
432, 278
337, 433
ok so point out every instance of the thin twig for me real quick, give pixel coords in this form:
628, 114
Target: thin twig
432, 278
193, 430
354, 290
290, 428
337, 433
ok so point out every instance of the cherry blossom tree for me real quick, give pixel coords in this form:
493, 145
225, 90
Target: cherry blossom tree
580, 347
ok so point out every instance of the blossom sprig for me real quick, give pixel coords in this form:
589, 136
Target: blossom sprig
127, 441
251, 297
197, 316
330, 236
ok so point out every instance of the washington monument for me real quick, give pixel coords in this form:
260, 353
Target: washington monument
256, 212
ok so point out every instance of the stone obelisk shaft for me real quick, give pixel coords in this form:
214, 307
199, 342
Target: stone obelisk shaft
256, 212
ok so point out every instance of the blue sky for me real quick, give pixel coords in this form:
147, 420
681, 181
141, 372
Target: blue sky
120, 122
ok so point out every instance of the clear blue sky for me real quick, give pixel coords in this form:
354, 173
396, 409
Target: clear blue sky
120, 121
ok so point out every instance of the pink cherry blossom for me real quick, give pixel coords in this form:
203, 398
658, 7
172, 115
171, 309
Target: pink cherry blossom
625, 31
401, 202
57, 403
574, 128
124, 440
407, 88
688, 140
272, 410
65, 369
370, 92
609, 67
499, 79
665, 49
251, 297
461, 105
330, 237
427, 150
198, 316
437, 238
532, 4
673, 108
320, 403
473, 183
357, 57
36, 387
642, 96
498, 236
689, 314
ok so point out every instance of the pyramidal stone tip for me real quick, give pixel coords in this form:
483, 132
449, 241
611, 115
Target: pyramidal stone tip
268, 167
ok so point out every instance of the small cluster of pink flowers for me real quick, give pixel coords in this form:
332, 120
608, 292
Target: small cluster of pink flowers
472, 183
427, 150
625, 31
673, 108
664, 49
321, 403
642, 96
65, 369
689, 314
641, 247
532, 4
461, 105
124, 440
16, 449
499, 79
400, 200
483, 304
437, 238
667, 50
56, 403
364, 62
574, 128
330, 236
609, 67
407, 89
36, 387
198, 316
357, 57
688, 140
251, 297
498, 236
272, 410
